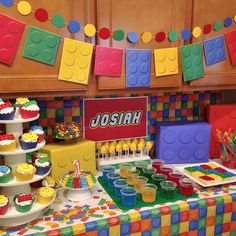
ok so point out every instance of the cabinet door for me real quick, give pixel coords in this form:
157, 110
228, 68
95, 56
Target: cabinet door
210, 11
141, 16
29, 76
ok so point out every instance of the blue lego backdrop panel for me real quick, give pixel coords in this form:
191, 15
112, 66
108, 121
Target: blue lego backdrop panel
161, 107
183, 142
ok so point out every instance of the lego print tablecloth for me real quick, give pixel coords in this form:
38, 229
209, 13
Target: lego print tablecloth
211, 214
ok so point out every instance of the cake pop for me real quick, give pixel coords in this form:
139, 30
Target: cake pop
140, 148
112, 151
119, 150
133, 148
148, 147
125, 148
103, 151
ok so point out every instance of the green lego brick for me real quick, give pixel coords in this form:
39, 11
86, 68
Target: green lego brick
206, 172
195, 104
184, 104
102, 224
174, 208
174, 229
43, 114
202, 203
70, 222
66, 231
102, 201
166, 119
222, 175
155, 212
41, 45
155, 232
190, 169
59, 112
192, 62
202, 223
153, 107
40, 234
195, 118
124, 219
233, 233
219, 200
35, 227
166, 106
219, 219
178, 118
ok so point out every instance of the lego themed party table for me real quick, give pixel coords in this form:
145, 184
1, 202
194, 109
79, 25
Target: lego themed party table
213, 212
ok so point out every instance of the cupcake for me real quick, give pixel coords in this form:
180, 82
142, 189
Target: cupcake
38, 130
7, 143
23, 202
20, 101
1, 101
4, 204
28, 141
25, 172
49, 182
29, 109
42, 165
45, 195
5, 174
7, 111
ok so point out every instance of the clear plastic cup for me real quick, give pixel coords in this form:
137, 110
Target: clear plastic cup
168, 189
158, 178
132, 175
119, 184
128, 196
139, 182
111, 177
186, 187
148, 172
124, 169
176, 177
140, 165
107, 169
157, 164
149, 192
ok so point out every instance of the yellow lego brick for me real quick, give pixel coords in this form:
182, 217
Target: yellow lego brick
190, 104
75, 111
178, 105
183, 227
134, 216
210, 231
135, 234
78, 228
214, 176
172, 113
165, 220
227, 198
159, 106
227, 217
183, 206
212, 165
114, 230
75, 61
51, 113
166, 61
211, 211
197, 174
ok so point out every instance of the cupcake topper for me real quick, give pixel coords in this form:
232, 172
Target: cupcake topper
77, 167
5, 105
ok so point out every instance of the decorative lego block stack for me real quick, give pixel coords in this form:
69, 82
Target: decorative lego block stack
182, 142
221, 117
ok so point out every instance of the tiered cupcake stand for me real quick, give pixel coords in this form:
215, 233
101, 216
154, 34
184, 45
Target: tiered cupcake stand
10, 189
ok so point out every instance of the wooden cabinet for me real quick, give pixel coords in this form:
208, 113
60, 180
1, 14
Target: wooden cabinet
29, 76
140, 16
223, 73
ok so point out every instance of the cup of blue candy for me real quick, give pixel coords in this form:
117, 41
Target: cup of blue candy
128, 195
111, 177
105, 170
119, 184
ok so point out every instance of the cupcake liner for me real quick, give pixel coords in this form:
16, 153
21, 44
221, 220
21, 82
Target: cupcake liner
6, 178
27, 146
23, 177
8, 148
25, 208
4, 209
42, 170
8, 116
26, 114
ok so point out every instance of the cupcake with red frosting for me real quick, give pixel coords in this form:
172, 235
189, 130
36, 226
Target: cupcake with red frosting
38, 130
23, 202
7, 111
29, 109
4, 204
7, 143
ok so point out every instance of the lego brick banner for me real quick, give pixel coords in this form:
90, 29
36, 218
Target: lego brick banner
115, 118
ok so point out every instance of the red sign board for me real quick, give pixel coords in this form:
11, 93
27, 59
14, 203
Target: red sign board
115, 118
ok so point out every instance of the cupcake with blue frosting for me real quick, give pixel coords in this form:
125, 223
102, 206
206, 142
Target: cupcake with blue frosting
38, 130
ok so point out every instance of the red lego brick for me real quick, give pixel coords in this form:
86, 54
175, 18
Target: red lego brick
183, 234
55, 232
232, 225
233, 206
10, 34
135, 227
184, 216
228, 207
210, 221
210, 201
67, 112
193, 214
92, 233
146, 224
220, 117
165, 231
113, 221
165, 210
226, 227
230, 38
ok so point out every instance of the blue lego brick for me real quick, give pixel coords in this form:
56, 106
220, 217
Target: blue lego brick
153, 137
201, 96
175, 218
195, 111
67, 104
218, 229
183, 118
149, 115
201, 232
178, 112
202, 212
219, 209
42, 104
233, 197
103, 232
166, 113
91, 226
193, 205
125, 229
145, 214
182, 142
229, 174
138, 68
184, 97
193, 225
156, 222
76, 118
172, 98
146, 233
153, 122
233, 216
153, 99
214, 49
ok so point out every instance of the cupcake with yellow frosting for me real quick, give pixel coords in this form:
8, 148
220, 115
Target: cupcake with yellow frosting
45, 195
4, 204
19, 102
25, 172
28, 141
